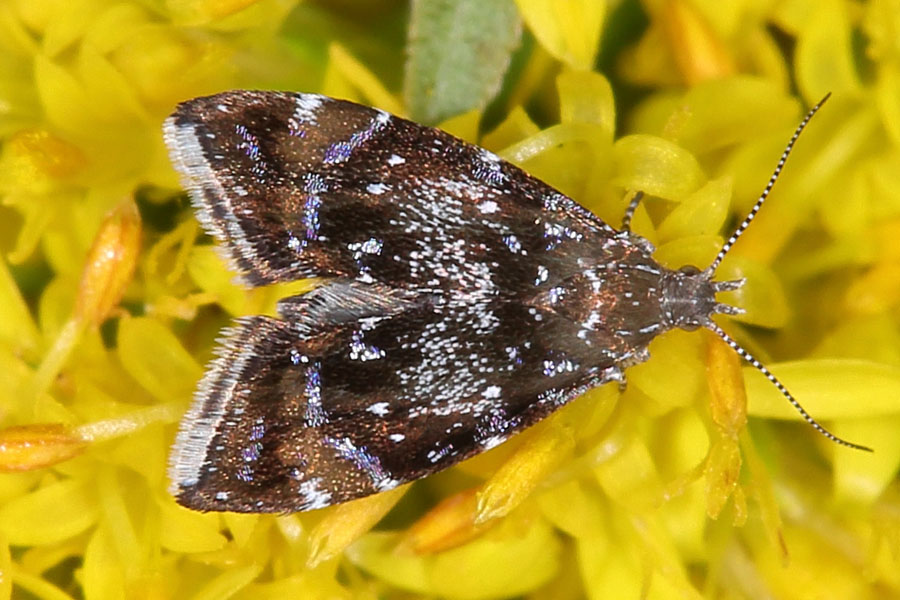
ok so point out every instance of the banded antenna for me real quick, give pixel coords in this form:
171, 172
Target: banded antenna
710, 271
765, 194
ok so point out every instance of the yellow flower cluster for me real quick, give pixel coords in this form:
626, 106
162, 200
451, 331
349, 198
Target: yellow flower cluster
110, 300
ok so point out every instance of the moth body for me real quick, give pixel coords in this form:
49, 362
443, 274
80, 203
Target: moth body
461, 301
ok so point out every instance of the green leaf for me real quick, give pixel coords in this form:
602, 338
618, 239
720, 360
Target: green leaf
458, 52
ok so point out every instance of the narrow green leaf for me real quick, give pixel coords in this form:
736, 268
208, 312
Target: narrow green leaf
458, 51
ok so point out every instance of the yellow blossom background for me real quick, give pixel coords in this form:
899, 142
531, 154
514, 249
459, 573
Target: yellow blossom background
110, 300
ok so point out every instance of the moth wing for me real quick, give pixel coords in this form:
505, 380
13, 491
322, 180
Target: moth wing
336, 406
302, 185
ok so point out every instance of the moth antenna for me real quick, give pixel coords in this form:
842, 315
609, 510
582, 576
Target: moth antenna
629, 212
765, 194
784, 392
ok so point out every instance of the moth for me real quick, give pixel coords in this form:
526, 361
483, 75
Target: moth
461, 301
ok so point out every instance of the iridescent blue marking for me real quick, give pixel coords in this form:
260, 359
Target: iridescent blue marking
250, 143
436, 455
555, 234
245, 473
296, 357
488, 169
359, 457
556, 364
494, 429
489, 174
251, 453
314, 184
553, 202
250, 146
513, 353
257, 431
315, 414
512, 242
359, 350
555, 396
340, 151
311, 217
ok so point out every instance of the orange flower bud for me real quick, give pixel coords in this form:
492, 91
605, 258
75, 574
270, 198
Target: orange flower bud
698, 51
449, 524
46, 153
726, 386
30, 447
110, 264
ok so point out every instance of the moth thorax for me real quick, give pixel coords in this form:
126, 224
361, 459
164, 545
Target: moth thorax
689, 298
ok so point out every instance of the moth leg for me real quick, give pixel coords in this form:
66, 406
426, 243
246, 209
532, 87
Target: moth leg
629, 212
613, 373
617, 372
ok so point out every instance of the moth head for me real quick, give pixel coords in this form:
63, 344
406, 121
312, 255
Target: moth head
689, 298
690, 293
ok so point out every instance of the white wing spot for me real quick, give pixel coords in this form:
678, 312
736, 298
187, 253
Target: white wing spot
379, 408
493, 441
305, 108
492, 392
488, 207
313, 497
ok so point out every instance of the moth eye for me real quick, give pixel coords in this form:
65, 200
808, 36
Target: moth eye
689, 270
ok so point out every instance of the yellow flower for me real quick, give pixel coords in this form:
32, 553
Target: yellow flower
107, 314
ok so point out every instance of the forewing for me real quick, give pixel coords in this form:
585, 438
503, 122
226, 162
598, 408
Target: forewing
301, 185
302, 415
445, 324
